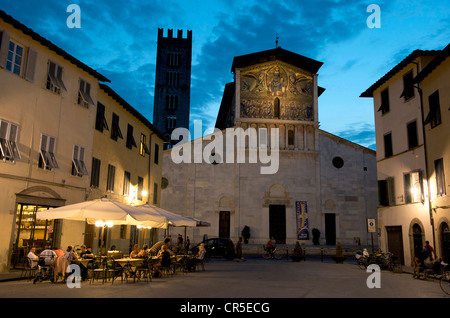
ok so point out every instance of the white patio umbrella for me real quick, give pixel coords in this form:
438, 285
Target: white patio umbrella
173, 218
105, 210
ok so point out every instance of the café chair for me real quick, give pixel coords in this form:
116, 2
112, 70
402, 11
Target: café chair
28, 270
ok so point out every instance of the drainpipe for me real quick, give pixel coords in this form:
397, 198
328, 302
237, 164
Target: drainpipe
149, 183
430, 208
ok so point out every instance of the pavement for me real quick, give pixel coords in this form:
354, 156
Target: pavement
18, 275
277, 286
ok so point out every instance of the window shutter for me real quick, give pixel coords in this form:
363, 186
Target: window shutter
31, 65
4, 42
391, 190
407, 186
59, 77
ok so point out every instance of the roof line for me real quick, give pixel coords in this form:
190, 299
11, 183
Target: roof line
35, 36
445, 53
108, 90
410, 58
278, 53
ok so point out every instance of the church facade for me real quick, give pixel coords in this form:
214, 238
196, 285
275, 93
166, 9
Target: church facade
318, 180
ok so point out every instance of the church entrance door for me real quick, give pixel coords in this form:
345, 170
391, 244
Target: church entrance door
277, 223
330, 228
224, 224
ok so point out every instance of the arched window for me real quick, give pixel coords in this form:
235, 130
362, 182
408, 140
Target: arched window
276, 108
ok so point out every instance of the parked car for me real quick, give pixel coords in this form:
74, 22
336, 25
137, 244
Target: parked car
216, 247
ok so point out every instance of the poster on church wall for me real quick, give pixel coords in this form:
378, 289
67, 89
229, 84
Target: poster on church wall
301, 210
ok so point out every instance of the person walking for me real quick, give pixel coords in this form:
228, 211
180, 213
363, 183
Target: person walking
239, 251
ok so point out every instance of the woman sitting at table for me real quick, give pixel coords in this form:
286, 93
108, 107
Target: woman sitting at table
198, 258
164, 255
135, 252
144, 252
63, 262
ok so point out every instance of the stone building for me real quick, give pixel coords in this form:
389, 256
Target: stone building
313, 179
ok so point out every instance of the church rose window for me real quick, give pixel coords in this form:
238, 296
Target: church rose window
338, 162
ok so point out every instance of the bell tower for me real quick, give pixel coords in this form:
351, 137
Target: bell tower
171, 106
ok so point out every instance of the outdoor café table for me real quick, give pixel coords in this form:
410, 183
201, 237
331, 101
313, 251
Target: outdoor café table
132, 261
130, 265
82, 261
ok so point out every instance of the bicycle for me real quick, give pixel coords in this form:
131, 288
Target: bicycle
271, 255
362, 262
445, 282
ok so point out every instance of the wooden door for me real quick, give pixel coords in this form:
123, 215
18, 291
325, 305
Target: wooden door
395, 242
224, 224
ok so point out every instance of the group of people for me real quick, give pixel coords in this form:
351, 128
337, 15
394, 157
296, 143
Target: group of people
60, 259
163, 250
425, 263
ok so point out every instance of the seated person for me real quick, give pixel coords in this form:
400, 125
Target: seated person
63, 262
164, 255
135, 252
144, 252
86, 253
197, 258
32, 257
157, 247
434, 267
70, 254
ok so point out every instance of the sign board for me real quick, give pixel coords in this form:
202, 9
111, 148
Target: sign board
371, 227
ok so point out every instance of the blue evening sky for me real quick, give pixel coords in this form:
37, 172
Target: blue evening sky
118, 39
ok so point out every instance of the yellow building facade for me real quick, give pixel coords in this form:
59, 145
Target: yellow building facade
49, 104
434, 83
411, 111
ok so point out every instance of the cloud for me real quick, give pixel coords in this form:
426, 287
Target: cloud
360, 133
303, 27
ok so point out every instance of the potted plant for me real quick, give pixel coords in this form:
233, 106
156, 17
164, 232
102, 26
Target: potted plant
339, 257
316, 236
298, 253
246, 233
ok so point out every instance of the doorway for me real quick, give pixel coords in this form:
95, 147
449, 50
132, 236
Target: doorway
395, 242
31, 232
417, 239
330, 229
277, 223
224, 224
445, 240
